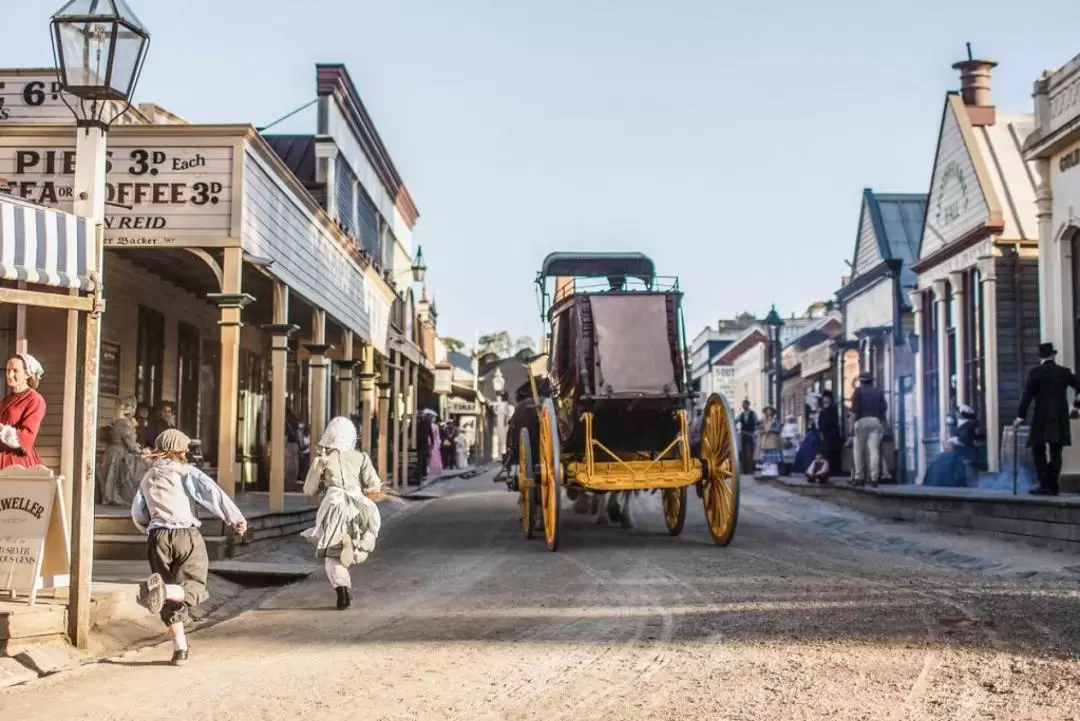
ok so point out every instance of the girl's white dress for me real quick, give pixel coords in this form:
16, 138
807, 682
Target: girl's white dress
348, 522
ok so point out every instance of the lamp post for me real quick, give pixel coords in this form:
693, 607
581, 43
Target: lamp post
99, 47
774, 323
498, 384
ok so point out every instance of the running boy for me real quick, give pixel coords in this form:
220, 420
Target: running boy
163, 509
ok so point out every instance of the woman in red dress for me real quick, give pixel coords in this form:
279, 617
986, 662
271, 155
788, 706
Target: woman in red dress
21, 412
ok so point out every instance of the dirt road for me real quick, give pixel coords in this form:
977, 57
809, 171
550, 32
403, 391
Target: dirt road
814, 612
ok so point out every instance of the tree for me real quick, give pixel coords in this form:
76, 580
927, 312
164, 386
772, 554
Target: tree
501, 344
453, 345
524, 343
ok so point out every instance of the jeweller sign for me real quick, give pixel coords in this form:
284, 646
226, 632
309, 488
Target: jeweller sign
156, 194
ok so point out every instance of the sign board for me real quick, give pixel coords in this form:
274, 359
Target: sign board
34, 96
723, 381
109, 369
34, 544
818, 359
444, 375
457, 406
156, 193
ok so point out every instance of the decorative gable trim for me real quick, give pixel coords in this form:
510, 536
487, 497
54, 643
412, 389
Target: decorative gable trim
945, 178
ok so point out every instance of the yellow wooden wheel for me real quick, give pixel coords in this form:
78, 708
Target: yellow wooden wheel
720, 461
550, 473
527, 485
674, 501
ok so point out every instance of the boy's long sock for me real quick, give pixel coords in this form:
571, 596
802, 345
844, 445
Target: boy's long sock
179, 636
174, 593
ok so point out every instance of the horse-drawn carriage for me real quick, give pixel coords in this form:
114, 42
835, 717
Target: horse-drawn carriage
616, 419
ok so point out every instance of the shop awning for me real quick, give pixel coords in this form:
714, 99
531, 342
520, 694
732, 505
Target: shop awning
44, 246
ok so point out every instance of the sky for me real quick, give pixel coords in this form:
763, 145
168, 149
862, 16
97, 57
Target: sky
728, 141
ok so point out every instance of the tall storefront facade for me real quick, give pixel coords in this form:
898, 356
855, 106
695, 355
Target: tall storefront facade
1054, 148
231, 292
978, 279
877, 313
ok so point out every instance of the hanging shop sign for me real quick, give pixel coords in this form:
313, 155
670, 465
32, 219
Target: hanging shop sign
156, 195
459, 407
444, 375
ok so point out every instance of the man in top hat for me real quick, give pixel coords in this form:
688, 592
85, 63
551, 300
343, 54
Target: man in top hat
1048, 386
869, 407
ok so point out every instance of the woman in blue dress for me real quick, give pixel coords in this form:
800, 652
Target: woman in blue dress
954, 467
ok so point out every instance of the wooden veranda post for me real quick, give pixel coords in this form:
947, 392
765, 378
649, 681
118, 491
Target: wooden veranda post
82, 487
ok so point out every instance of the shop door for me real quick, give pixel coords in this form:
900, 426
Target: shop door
188, 351
150, 357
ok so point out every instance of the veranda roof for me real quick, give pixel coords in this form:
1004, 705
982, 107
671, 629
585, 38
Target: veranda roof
44, 246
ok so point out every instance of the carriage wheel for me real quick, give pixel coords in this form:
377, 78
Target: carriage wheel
674, 501
720, 458
526, 485
550, 473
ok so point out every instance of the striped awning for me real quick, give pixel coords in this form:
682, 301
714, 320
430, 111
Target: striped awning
44, 246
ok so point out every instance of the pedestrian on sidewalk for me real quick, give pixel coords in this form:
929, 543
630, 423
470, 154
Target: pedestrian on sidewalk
818, 471
1048, 387
348, 522
832, 440
163, 509
747, 423
869, 407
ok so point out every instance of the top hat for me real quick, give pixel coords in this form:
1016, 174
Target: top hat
866, 377
1047, 350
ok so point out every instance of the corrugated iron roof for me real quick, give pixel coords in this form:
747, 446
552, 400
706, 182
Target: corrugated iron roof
898, 222
298, 152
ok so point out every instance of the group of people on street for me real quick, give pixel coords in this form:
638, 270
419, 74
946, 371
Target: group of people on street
131, 438
769, 449
441, 446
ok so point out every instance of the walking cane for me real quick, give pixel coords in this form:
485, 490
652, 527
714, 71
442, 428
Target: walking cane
1016, 458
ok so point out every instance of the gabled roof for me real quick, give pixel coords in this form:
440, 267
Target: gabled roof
981, 185
894, 223
749, 338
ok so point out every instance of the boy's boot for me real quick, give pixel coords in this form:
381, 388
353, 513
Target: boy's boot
343, 598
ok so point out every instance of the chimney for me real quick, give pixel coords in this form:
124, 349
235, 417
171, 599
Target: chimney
975, 88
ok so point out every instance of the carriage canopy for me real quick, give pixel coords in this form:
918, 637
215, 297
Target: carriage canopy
598, 265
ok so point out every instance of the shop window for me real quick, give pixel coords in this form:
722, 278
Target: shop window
149, 357
1074, 246
930, 351
188, 352
974, 353
953, 354
368, 226
346, 191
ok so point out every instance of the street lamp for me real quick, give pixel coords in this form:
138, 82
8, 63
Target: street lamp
419, 267
498, 383
99, 47
774, 323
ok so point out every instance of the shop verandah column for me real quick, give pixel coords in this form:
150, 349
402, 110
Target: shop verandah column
346, 377
384, 418
988, 273
279, 331
231, 302
395, 407
941, 300
319, 388
917, 300
367, 397
956, 279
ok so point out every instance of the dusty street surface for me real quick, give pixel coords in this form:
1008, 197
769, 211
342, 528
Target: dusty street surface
814, 612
